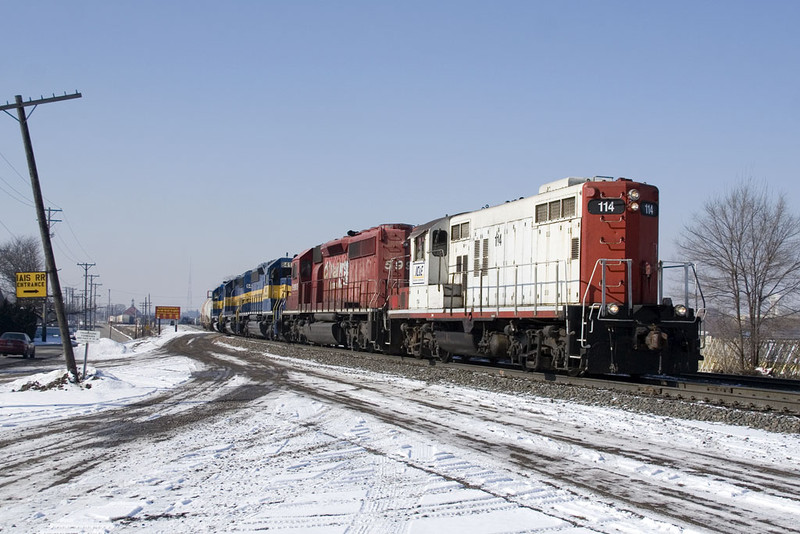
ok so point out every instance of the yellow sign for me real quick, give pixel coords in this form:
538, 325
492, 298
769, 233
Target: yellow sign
168, 312
31, 285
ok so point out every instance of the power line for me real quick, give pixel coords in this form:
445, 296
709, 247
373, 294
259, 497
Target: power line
19, 196
21, 177
64, 249
12, 167
78, 241
8, 230
16, 195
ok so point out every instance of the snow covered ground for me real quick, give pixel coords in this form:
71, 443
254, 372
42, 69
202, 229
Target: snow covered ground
293, 461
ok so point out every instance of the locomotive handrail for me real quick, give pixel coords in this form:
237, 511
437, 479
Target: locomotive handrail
362, 294
396, 282
588, 320
663, 265
604, 262
510, 292
698, 311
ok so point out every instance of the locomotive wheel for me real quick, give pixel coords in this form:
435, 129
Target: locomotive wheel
445, 356
532, 361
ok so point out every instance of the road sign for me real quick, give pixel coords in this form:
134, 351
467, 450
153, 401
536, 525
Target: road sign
31, 285
87, 336
168, 312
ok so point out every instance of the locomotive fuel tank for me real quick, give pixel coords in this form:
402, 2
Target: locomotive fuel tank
321, 333
457, 343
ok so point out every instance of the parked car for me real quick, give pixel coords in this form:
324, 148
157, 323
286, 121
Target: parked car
53, 336
17, 343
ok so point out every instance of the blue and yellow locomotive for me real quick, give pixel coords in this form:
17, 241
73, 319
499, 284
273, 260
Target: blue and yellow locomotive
251, 304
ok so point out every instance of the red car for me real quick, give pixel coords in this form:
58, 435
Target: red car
17, 343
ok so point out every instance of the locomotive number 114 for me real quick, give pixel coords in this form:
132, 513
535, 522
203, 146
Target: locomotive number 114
606, 206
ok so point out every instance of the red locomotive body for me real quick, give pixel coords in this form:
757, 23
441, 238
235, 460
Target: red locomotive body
338, 286
619, 240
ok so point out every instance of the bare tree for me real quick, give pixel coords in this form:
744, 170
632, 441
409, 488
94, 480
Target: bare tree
748, 247
21, 254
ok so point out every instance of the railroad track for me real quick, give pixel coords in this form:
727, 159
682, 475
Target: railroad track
761, 394
741, 392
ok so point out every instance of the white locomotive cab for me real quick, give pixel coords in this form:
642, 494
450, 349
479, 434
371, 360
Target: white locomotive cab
429, 265
520, 256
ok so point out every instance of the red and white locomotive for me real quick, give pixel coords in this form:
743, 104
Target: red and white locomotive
566, 280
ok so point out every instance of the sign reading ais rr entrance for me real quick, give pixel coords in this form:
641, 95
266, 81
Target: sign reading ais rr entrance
30, 285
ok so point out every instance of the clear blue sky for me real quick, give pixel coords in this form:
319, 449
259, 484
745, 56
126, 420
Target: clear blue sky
212, 136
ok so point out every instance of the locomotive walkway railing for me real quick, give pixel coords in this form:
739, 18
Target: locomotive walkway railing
600, 308
511, 287
689, 276
337, 295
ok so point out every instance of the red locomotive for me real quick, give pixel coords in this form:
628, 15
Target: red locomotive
340, 289
566, 280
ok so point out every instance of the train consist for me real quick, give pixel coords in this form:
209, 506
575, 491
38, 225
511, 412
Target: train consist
567, 280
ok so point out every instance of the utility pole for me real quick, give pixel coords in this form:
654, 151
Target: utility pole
49, 257
50, 221
95, 285
92, 295
86, 267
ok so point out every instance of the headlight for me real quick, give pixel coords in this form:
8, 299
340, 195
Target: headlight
633, 194
634, 206
680, 310
613, 308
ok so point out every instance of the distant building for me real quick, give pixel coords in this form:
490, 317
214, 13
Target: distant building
129, 316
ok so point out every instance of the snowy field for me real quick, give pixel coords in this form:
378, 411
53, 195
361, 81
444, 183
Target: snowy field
290, 461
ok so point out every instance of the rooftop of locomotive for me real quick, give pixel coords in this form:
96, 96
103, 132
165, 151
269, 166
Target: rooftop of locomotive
572, 180
556, 185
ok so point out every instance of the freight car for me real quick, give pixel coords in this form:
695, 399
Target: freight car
567, 280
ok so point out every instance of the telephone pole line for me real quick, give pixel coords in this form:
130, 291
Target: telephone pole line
93, 299
44, 230
86, 267
50, 220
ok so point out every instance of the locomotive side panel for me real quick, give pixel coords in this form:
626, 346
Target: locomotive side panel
356, 272
521, 257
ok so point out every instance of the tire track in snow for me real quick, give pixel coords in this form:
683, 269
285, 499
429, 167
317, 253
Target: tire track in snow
657, 496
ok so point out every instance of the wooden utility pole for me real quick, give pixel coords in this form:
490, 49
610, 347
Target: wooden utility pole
44, 229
